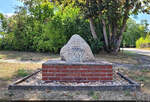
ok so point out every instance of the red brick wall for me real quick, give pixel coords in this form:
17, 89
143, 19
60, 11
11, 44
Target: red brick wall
77, 73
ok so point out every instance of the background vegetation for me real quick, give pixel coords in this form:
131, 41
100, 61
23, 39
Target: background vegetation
143, 42
45, 27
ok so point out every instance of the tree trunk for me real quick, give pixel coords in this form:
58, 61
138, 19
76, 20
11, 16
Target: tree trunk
119, 38
120, 35
110, 32
105, 34
92, 27
118, 43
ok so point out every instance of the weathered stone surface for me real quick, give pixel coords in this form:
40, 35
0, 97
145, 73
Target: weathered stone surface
76, 50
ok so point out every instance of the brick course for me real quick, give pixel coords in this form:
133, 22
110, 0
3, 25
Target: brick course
77, 73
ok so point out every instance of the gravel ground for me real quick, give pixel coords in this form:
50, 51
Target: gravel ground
71, 95
37, 80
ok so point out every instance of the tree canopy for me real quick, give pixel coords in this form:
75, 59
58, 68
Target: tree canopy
113, 14
46, 25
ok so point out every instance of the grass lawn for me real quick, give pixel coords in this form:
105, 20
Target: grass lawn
23, 56
141, 76
10, 72
125, 58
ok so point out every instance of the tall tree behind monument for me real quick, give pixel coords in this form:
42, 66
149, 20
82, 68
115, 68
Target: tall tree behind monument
113, 14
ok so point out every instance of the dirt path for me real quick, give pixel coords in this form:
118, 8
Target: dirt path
16, 61
25, 61
138, 51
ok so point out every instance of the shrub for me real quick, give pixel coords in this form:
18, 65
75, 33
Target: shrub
133, 32
143, 42
52, 37
46, 29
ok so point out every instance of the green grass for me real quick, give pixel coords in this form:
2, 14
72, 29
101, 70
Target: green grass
127, 93
10, 70
90, 93
1, 56
143, 78
5, 78
95, 96
145, 70
130, 53
22, 73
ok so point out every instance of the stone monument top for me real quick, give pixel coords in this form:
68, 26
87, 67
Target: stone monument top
76, 50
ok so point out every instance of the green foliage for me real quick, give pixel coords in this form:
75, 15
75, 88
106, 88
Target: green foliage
133, 32
96, 45
113, 14
53, 37
145, 70
22, 73
139, 42
141, 78
90, 93
127, 93
143, 42
3, 23
42, 26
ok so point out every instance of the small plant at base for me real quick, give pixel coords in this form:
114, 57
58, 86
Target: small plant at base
141, 78
127, 93
95, 96
5, 79
1, 56
145, 70
90, 93
22, 72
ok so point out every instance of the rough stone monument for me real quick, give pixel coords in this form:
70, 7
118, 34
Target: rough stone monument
77, 64
76, 50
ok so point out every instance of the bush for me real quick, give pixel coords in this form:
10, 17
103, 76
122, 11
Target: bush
52, 37
47, 29
0, 43
133, 32
7, 42
143, 42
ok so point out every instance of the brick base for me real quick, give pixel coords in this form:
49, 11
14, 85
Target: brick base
66, 72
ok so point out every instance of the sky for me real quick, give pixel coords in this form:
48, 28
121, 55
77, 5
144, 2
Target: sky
8, 7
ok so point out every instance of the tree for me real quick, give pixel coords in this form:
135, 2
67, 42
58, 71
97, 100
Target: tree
113, 14
133, 32
3, 27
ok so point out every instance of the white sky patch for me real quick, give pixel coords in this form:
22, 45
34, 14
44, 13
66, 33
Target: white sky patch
8, 14
1, 36
149, 27
141, 17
